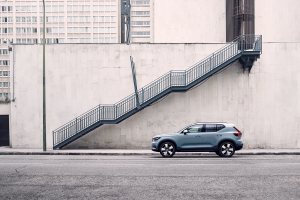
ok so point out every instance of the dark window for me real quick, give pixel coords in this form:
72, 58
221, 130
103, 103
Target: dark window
211, 128
195, 128
220, 127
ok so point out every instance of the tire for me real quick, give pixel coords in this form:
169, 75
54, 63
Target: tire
167, 149
217, 152
226, 149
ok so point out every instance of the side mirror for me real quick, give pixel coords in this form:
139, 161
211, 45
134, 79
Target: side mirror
185, 131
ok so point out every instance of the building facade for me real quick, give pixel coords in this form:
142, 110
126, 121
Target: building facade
67, 21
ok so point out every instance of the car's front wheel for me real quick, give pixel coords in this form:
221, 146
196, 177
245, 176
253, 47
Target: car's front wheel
226, 149
167, 149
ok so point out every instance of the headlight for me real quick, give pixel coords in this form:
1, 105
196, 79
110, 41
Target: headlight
155, 139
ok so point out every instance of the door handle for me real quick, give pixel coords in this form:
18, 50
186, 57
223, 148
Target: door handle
198, 136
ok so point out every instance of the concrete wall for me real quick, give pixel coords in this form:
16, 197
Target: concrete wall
263, 104
189, 21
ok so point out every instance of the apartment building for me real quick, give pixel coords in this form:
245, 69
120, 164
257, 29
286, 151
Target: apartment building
67, 21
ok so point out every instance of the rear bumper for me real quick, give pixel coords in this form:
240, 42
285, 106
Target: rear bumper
239, 146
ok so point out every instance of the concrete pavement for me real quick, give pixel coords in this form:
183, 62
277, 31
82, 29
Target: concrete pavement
10, 151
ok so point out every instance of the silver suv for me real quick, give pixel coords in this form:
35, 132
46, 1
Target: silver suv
222, 138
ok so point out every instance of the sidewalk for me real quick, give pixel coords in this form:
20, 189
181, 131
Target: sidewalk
10, 151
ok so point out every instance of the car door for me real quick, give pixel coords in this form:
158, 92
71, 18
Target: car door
211, 136
192, 139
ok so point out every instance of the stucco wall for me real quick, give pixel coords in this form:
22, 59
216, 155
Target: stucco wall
263, 104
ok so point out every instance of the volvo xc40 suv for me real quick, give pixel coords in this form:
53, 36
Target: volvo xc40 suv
222, 138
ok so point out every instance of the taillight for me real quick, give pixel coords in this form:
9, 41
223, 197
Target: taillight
239, 132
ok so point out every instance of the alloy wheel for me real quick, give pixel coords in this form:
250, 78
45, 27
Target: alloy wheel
167, 149
226, 149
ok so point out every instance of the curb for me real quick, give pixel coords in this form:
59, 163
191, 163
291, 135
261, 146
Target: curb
142, 154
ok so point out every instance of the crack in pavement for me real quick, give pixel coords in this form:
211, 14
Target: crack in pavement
20, 168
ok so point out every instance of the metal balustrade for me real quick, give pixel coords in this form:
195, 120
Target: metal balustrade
171, 81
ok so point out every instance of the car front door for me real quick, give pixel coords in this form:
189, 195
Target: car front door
192, 139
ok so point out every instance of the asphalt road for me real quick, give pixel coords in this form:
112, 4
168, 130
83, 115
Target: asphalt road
150, 177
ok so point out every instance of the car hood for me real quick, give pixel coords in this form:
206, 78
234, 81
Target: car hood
167, 135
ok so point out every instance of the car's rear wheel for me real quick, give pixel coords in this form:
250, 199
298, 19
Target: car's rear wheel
226, 149
217, 152
167, 149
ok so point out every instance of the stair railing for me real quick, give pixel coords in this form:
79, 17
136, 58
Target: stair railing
174, 78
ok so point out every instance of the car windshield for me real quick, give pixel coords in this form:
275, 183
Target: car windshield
184, 128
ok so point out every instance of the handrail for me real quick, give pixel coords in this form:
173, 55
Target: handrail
171, 79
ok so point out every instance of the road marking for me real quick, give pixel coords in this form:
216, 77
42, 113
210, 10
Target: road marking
224, 164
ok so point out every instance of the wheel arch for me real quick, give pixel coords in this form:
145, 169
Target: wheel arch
227, 140
167, 140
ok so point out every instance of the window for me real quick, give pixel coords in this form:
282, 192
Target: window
48, 30
54, 8
107, 8
76, 40
61, 8
34, 41
18, 8
4, 19
141, 34
82, 29
61, 30
81, 40
75, 8
23, 8
112, 8
0, 73
54, 19
61, 40
10, 8
33, 8
23, 30
41, 8
211, 128
140, 23
34, 30
70, 40
220, 127
95, 8
88, 40
10, 19
113, 40
29, 41
70, 30
113, 30
18, 41
48, 8
23, 19
4, 8
140, 13
101, 8
101, 19
101, 29
48, 19
95, 19
1, 86
95, 40
95, 29
76, 30
41, 19
55, 30
34, 19
69, 19
61, 19
87, 19
49, 41
18, 19
28, 8
10, 30
28, 19
5, 94
87, 29
81, 8
5, 84
69, 8
75, 19
87, 8
4, 30
113, 19
195, 128
107, 40
81, 19
28, 30
23, 41
5, 73
107, 19
0, 93
107, 29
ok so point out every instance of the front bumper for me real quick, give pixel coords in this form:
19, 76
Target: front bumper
154, 146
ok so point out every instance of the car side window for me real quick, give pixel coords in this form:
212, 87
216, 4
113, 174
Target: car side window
220, 127
211, 128
195, 128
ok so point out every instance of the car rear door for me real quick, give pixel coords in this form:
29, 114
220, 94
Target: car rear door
212, 136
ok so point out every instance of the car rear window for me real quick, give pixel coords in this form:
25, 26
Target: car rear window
214, 127
220, 127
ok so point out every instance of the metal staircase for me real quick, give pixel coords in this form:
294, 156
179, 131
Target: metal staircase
246, 49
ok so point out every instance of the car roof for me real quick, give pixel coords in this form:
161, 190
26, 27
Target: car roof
224, 123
